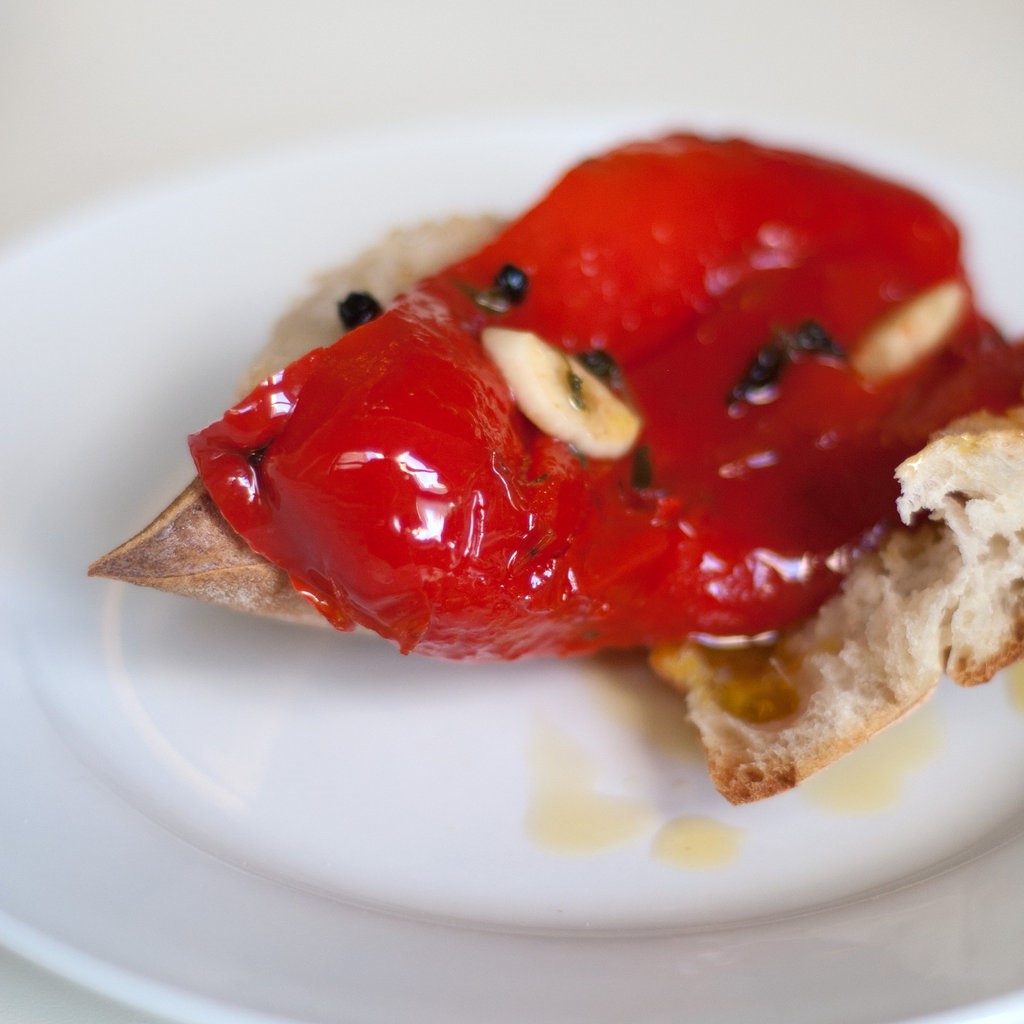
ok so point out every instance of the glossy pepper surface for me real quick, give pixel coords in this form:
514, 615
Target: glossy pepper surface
394, 478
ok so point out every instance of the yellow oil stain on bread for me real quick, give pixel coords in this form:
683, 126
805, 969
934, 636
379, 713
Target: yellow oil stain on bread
697, 842
874, 776
567, 812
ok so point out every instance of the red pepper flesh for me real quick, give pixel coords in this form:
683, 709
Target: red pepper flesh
392, 476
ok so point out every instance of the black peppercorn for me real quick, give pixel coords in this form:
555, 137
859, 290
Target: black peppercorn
358, 308
759, 382
757, 385
508, 289
511, 283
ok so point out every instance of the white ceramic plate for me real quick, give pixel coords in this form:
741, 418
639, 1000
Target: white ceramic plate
219, 818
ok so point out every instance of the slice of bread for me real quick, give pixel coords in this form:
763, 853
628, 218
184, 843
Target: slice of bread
945, 597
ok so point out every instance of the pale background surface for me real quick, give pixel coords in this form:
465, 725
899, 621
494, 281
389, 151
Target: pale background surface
101, 95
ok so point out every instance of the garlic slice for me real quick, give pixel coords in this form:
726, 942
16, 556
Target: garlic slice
560, 396
911, 331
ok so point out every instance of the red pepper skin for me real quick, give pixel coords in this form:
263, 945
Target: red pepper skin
392, 476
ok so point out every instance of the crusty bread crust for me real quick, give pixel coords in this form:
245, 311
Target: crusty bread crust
190, 549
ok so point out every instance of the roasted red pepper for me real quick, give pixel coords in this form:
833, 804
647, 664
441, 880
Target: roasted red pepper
393, 477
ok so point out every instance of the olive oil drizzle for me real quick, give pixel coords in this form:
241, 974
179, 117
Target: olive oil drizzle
1015, 685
